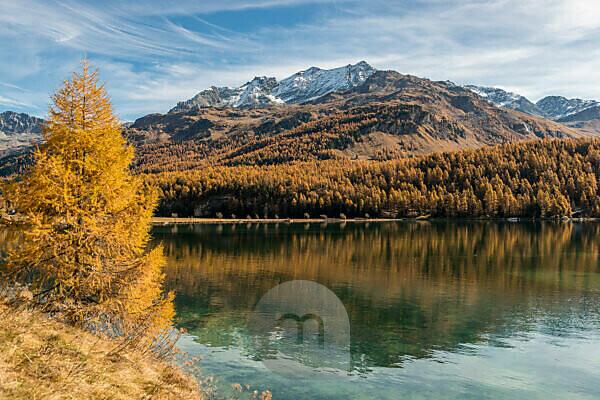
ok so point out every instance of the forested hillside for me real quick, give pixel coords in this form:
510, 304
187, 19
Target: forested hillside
372, 150
389, 116
386, 116
549, 178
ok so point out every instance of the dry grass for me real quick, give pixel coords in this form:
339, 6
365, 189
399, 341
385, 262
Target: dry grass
44, 359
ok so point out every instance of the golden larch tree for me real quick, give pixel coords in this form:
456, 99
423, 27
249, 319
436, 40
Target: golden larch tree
85, 220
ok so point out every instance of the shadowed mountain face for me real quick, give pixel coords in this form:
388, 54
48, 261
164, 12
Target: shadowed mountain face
583, 115
587, 120
560, 108
14, 124
386, 116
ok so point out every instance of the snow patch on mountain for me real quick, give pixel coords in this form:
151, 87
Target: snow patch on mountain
502, 98
18, 130
558, 107
264, 91
551, 107
314, 82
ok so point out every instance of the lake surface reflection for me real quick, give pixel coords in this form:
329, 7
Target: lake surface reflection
436, 309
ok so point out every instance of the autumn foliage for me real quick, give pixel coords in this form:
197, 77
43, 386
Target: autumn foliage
549, 178
85, 221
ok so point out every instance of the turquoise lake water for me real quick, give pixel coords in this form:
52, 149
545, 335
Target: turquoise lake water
435, 310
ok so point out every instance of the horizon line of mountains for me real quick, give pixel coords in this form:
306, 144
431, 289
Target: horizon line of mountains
314, 82
557, 108
359, 111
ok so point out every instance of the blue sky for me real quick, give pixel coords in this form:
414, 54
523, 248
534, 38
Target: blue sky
154, 53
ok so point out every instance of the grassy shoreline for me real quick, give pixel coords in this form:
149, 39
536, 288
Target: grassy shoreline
41, 358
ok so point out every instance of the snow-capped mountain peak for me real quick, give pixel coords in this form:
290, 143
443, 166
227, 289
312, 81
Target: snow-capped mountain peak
300, 87
315, 82
506, 99
13, 123
552, 107
255, 93
557, 107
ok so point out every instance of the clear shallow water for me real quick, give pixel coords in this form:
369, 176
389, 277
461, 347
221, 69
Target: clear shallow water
437, 310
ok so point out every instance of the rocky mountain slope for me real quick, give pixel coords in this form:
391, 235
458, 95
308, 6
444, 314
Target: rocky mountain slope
351, 112
558, 107
12, 123
301, 87
385, 115
502, 98
576, 113
18, 130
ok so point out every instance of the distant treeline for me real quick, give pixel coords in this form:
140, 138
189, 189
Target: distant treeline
549, 178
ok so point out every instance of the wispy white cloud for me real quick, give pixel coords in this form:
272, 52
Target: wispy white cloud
538, 46
11, 86
187, 7
13, 103
151, 59
103, 30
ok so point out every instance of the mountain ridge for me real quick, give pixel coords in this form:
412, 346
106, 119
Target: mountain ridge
559, 107
14, 123
389, 115
265, 91
503, 98
351, 112
18, 131
556, 108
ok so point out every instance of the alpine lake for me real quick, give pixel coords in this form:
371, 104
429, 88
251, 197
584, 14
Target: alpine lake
390, 310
